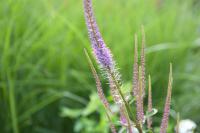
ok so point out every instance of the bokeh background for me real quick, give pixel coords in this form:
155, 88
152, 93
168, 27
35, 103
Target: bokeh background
45, 82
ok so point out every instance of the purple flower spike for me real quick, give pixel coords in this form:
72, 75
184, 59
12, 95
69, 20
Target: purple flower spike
143, 61
149, 120
138, 85
165, 118
135, 68
101, 52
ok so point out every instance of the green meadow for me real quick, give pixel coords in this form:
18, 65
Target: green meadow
46, 85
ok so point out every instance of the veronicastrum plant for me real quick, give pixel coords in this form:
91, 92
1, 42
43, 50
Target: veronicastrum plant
133, 123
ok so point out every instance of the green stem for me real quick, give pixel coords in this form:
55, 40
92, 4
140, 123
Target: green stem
13, 106
112, 127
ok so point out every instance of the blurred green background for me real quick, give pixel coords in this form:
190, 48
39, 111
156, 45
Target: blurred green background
45, 82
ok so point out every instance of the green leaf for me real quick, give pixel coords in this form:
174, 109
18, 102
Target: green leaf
93, 105
148, 131
150, 114
72, 113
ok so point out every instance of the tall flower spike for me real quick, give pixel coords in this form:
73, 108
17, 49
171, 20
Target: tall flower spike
143, 61
135, 77
100, 92
137, 85
135, 68
165, 118
101, 52
149, 120
140, 98
98, 83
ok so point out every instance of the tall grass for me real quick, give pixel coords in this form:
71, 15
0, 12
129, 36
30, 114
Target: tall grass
42, 64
